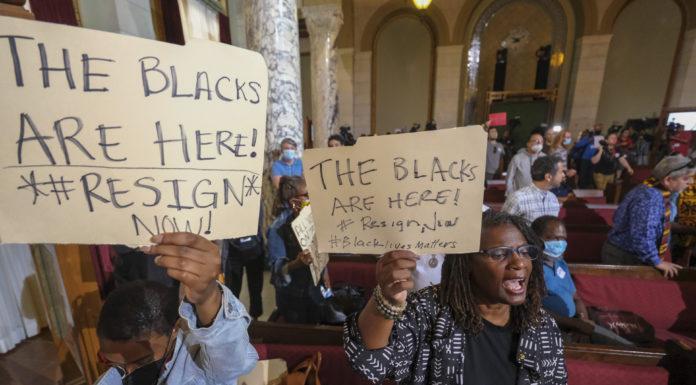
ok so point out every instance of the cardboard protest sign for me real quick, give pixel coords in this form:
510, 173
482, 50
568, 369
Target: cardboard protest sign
303, 227
421, 191
109, 138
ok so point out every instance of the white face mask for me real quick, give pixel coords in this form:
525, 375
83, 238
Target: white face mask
537, 148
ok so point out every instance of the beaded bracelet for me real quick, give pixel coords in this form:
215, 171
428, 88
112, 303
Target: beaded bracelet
385, 308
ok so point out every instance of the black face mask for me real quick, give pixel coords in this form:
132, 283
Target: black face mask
146, 374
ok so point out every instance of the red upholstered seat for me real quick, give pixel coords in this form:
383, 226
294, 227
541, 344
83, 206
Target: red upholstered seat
669, 306
494, 195
335, 369
592, 215
360, 274
582, 372
585, 243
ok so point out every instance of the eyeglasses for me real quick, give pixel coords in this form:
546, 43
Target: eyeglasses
503, 253
148, 369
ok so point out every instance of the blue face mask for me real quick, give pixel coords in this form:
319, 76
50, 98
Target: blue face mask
555, 249
288, 154
567, 141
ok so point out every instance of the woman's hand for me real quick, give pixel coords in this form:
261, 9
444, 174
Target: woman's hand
395, 275
303, 259
195, 262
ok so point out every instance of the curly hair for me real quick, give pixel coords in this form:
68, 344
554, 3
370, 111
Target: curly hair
288, 187
137, 309
456, 285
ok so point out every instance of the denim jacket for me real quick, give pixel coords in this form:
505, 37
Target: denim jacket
215, 355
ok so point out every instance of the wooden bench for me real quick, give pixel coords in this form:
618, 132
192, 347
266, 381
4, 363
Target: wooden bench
587, 364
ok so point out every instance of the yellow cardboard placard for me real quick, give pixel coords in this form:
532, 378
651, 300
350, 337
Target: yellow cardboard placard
109, 138
420, 191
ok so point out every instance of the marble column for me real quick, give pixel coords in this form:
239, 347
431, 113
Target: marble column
272, 30
323, 23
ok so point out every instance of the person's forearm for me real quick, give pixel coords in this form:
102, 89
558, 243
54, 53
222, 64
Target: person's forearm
580, 308
595, 159
374, 328
207, 310
295, 264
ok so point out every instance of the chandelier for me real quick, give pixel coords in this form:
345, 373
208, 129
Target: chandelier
422, 4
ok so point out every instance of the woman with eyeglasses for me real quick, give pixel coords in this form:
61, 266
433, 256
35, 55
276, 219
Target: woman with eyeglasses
299, 300
148, 336
482, 325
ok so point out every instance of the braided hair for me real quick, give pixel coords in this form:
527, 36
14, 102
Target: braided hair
456, 291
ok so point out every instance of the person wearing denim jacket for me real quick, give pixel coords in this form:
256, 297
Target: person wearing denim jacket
298, 298
148, 336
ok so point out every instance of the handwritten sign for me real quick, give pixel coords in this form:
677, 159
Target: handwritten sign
303, 227
109, 138
420, 191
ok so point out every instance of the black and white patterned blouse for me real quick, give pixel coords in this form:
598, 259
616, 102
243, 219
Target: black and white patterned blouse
427, 347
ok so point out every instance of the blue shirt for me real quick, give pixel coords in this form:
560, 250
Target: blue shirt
215, 355
281, 168
560, 289
639, 222
584, 146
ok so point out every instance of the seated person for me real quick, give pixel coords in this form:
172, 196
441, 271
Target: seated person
536, 199
298, 299
561, 298
482, 325
148, 336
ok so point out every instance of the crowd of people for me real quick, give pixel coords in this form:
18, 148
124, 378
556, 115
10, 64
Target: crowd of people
491, 316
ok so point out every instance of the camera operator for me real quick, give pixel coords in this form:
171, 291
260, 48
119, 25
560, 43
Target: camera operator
582, 153
606, 161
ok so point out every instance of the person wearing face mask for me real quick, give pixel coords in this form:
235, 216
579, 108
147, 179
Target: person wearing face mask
560, 147
148, 336
561, 297
519, 171
298, 299
643, 222
494, 152
289, 163
537, 200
